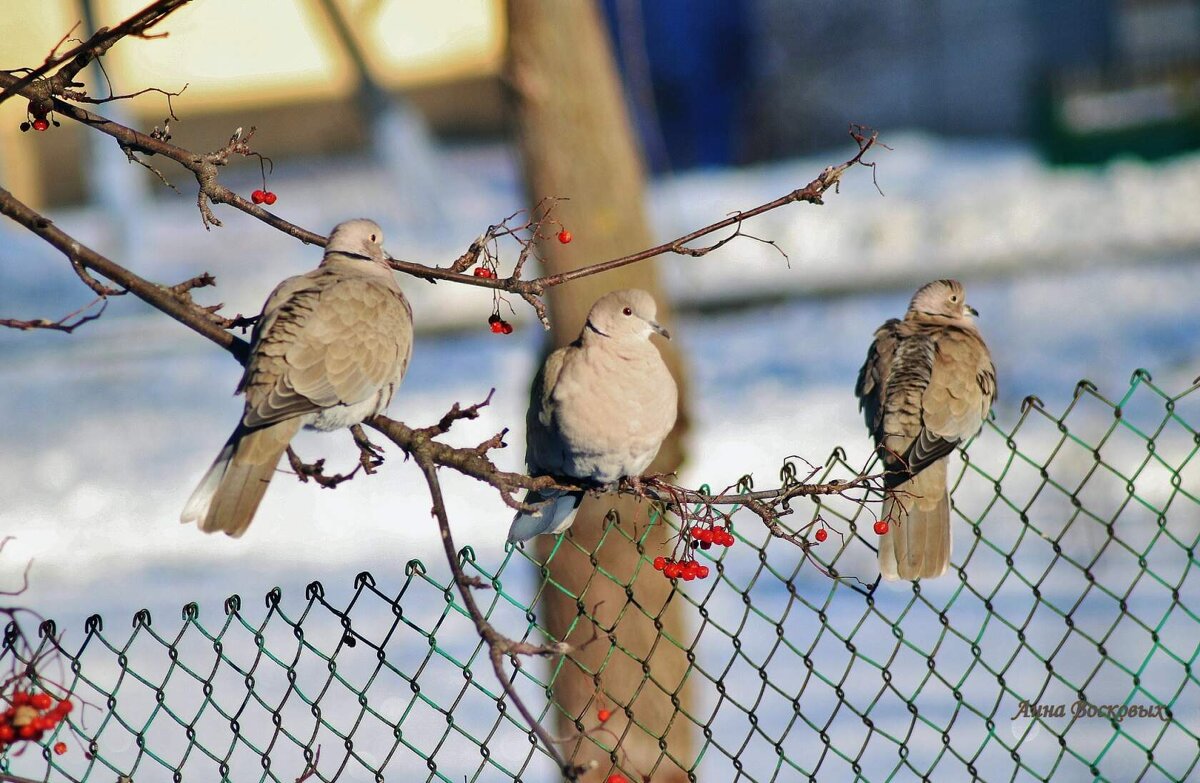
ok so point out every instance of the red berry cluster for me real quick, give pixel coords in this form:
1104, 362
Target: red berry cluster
680, 569
499, 325
707, 536
484, 272
263, 197
30, 716
882, 527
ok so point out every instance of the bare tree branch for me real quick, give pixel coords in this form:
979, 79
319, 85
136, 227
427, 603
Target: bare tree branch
64, 324
499, 646
76, 59
178, 306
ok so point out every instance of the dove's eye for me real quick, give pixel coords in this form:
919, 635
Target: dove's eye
953, 297
628, 311
373, 238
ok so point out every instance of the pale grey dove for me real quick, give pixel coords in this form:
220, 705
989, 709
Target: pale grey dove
927, 386
328, 351
599, 408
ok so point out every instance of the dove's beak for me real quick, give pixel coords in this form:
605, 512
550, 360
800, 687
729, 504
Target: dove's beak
971, 310
659, 328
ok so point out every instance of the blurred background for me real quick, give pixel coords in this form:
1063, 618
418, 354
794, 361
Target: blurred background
1044, 152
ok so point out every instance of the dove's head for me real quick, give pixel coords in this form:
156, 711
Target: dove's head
942, 301
360, 239
624, 315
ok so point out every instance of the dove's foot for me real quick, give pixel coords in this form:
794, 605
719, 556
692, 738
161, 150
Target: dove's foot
370, 456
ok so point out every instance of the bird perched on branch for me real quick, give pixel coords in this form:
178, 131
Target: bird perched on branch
328, 351
599, 408
926, 387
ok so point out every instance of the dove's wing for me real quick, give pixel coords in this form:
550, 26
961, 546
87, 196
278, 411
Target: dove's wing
326, 338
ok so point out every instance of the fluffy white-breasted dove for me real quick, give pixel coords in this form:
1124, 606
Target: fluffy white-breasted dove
328, 351
599, 408
927, 386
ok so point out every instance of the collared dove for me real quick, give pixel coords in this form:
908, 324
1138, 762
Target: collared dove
926, 386
328, 351
599, 408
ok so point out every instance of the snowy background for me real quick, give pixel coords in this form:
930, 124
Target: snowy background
1086, 273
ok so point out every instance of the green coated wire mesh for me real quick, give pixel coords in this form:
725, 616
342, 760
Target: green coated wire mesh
1061, 645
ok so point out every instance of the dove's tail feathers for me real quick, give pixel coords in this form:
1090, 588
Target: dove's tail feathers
917, 544
231, 490
554, 517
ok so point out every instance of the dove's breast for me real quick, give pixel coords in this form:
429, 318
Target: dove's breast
613, 412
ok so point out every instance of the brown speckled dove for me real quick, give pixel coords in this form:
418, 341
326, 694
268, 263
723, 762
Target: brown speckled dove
328, 352
599, 409
927, 386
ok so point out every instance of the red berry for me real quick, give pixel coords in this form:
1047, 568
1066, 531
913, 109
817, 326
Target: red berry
19, 698
258, 197
506, 327
64, 706
41, 700
821, 534
60, 748
660, 562
40, 124
269, 198
564, 236
672, 570
497, 327
604, 715
483, 271
881, 527
702, 571
7, 732
698, 533
27, 731
616, 777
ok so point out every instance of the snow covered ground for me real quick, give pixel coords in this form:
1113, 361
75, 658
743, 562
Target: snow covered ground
1076, 273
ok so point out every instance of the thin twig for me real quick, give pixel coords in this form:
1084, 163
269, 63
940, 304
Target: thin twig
499, 646
63, 324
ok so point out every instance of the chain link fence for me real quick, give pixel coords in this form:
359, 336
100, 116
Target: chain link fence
1061, 644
